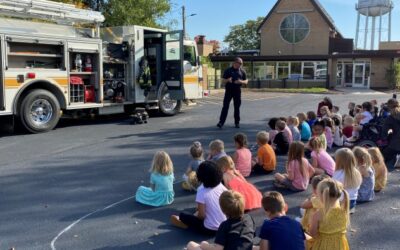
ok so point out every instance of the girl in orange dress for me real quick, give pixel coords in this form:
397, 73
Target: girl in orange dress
235, 181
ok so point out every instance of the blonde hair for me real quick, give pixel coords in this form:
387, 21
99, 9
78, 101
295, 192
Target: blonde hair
376, 156
225, 162
217, 145
362, 156
293, 120
330, 192
262, 137
316, 144
302, 117
346, 161
348, 121
296, 153
232, 204
162, 164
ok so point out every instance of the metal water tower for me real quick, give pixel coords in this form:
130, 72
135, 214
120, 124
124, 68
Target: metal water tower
370, 10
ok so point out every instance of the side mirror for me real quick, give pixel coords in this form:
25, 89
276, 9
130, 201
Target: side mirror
187, 66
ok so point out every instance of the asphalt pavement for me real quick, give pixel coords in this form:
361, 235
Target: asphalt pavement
73, 188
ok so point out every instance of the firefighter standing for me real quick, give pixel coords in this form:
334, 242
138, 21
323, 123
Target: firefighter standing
233, 78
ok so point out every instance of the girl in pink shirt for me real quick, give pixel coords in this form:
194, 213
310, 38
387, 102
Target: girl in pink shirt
322, 162
299, 170
242, 156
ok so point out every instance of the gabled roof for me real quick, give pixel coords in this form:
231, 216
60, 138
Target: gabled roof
317, 5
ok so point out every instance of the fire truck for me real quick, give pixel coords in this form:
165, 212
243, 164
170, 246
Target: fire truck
59, 66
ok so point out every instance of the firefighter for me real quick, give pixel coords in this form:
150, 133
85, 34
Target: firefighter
233, 78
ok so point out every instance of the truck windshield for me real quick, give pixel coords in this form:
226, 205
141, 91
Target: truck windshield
190, 54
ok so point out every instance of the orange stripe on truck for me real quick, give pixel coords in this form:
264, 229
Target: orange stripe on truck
13, 83
191, 79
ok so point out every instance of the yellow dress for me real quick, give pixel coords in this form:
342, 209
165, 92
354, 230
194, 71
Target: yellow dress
309, 213
332, 231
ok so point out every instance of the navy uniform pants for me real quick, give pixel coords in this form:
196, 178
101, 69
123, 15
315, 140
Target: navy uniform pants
236, 95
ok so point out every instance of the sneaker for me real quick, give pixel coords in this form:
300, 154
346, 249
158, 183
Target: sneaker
352, 210
279, 185
397, 164
219, 125
237, 125
176, 222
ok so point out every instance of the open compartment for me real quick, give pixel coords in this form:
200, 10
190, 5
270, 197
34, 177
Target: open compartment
35, 56
84, 67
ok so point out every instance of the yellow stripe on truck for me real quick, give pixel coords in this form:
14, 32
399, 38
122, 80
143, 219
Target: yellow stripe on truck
13, 83
191, 79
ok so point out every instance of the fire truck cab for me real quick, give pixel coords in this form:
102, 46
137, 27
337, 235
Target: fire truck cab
51, 69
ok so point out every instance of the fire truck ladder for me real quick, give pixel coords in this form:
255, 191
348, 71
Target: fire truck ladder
60, 13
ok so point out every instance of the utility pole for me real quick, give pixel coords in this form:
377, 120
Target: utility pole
184, 21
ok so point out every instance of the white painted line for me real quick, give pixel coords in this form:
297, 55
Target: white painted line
53, 242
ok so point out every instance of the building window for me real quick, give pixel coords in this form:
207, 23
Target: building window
294, 28
283, 70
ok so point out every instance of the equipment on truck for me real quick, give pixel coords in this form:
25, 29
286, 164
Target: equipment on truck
53, 68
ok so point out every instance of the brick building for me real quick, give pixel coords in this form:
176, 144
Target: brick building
302, 47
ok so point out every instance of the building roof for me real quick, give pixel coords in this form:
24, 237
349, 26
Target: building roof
318, 6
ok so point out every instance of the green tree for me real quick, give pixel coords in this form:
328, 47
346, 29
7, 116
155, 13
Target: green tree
244, 36
138, 12
127, 12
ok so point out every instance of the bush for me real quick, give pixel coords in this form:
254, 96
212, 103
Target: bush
393, 75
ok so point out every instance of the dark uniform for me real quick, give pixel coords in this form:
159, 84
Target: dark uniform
232, 90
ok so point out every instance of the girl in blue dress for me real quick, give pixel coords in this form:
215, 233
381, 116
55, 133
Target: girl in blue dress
161, 190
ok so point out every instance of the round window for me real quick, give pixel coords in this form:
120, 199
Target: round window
294, 28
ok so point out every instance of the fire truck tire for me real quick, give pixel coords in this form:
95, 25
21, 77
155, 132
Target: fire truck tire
169, 106
40, 111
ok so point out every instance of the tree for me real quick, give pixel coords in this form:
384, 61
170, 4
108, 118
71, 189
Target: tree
127, 12
135, 12
244, 36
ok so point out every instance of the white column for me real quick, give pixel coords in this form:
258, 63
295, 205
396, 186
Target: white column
373, 34
366, 30
390, 26
380, 28
357, 30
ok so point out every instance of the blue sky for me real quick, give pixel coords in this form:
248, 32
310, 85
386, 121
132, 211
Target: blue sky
214, 17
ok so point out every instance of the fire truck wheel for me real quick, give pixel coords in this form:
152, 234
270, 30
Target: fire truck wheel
40, 111
169, 106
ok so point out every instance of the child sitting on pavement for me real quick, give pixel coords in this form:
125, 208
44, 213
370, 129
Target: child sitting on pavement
237, 232
190, 181
293, 124
281, 140
279, 231
233, 180
272, 132
381, 172
304, 127
209, 215
161, 190
319, 131
265, 163
322, 162
329, 129
217, 150
311, 118
329, 224
312, 204
242, 156
299, 170
364, 164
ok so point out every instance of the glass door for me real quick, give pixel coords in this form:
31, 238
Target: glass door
348, 74
359, 75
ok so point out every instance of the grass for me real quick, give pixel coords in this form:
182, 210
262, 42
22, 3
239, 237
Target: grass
300, 90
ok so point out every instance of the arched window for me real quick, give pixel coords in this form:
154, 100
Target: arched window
294, 28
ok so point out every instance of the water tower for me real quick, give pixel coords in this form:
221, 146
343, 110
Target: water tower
370, 10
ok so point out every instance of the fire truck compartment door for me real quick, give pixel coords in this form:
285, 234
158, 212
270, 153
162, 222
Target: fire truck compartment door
2, 92
173, 64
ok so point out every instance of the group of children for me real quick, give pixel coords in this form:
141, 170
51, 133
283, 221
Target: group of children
224, 195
